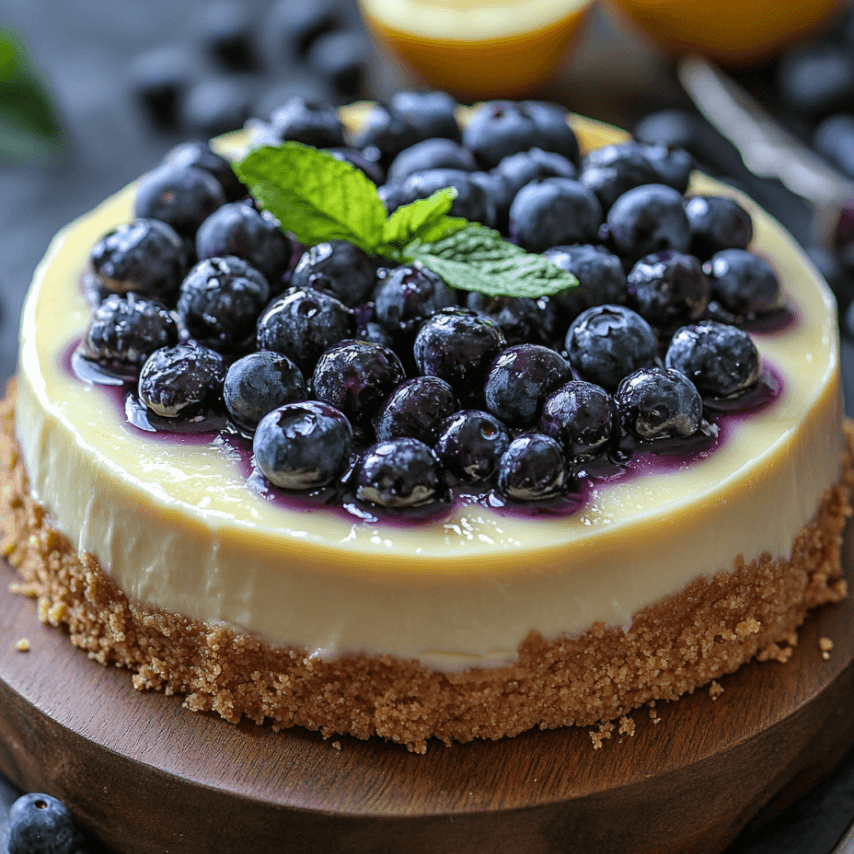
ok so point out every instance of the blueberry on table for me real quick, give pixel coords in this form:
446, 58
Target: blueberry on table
386, 132
303, 445
145, 257
519, 381
432, 114
158, 79
292, 26
41, 824
582, 418
532, 468
228, 32
259, 383
308, 122
659, 403
415, 408
338, 268
721, 360
436, 153
200, 155
399, 473
405, 296
743, 283
717, 223
523, 320
470, 444
607, 342
612, 170
600, 274
182, 381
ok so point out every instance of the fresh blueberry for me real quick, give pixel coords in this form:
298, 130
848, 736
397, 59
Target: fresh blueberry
220, 302
743, 283
600, 274
472, 201
552, 129
532, 468
668, 289
228, 32
717, 223
552, 212
582, 418
816, 79
458, 345
217, 105
199, 155
145, 257
238, 229
658, 403
648, 219
338, 268
341, 58
308, 122
370, 330
607, 342
158, 79
612, 170
292, 26
519, 381
303, 445
369, 166
406, 296
125, 331
41, 824
399, 473
432, 114
299, 83
355, 377
183, 196
834, 138
181, 381
302, 323
259, 383
522, 319
672, 163
386, 132
721, 360
436, 153
415, 408
470, 444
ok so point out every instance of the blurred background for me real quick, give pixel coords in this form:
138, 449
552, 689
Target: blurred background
95, 92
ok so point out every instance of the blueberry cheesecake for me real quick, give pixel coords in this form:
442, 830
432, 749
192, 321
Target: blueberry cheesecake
434, 429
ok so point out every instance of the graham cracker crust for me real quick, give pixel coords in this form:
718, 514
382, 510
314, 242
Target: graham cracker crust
673, 647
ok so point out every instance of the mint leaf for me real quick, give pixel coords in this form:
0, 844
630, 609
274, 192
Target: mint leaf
476, 258
313, 195
419, 218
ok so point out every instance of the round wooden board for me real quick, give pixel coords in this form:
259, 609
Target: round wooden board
146, 775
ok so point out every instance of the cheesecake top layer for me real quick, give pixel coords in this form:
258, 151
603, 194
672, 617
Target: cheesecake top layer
178, 526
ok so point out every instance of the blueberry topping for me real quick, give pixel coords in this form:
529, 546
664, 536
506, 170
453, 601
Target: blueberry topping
308, 122
355, 377
472, 201
125, 331
181, 381
470, 444
416, 408
399, 473
458, 345
672, 164
432, 114
607, 342
721, 360
220, 301
386, 132
519, 381
582, 418
199, 155
613, 170
259, 383
532, 468
408, 295
817, 79
600, 274
522, 319
743, 283
430, 154
303, 445
302, 323
368, 165
183, 196
145, 257
41, 824
658, 403
338, 268
717, 223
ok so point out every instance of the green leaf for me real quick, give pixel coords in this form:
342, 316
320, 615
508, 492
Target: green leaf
313, 195
411, 222
476, 258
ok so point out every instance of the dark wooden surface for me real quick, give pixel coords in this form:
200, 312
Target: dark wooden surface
148, 776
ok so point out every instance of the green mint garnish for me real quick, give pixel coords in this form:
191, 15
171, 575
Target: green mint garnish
317, 198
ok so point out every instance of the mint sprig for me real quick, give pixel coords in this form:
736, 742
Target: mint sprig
316, 198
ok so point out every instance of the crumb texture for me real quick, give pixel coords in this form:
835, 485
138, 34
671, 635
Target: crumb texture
672, 648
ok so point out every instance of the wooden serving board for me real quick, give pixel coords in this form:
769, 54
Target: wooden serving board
149, 777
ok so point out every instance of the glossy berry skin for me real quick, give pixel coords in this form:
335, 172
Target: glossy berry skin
303, 445
182, 196
415, 408
200, 155
668, 289
472, 201
302, 323
259, 383
338, 268
717, 223
613, 170
432, 114
458, 345
355, 377
308, 122
399, 473
182, 381
430, 154
519, 381
145, 257
658, 403
385, 132
817, 79
743, 283
220, 301
523, 320
125, 331
582, 418
606, 343
238, 229
648, 219
368, 165
721, 360
673, 164
600, 274
552, 212
41, 824
532, 468
470, 444
406, 296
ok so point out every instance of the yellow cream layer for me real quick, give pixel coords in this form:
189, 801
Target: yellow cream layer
177, 526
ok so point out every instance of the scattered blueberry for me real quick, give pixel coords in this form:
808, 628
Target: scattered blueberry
159, 78
717, 223
183, 196
470, 444
217, 105
582, 418
532, 468
227, 31
41, 824
182, 381
658, 403
817, 79
415, 408
341, 58
292, 26
743, 283
399, 473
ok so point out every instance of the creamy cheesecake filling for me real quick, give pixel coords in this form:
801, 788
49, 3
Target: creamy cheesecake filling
178, 528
